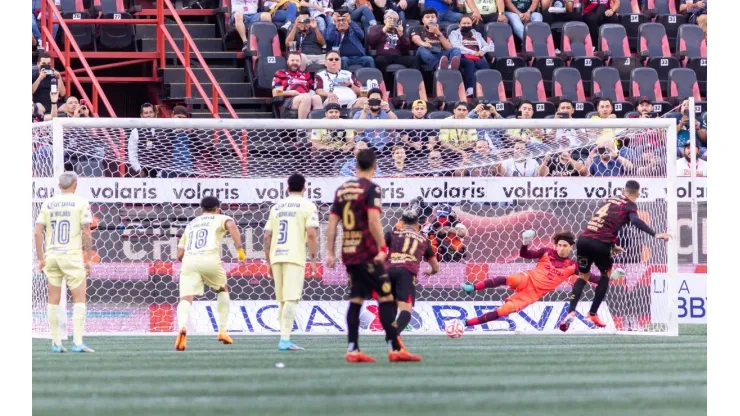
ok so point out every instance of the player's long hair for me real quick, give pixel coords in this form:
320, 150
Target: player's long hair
566, 236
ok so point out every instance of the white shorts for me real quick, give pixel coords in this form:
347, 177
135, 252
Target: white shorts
289, 279
69, 268
196, 273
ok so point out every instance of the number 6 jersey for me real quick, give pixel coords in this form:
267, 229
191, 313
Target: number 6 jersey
352, 201
203, 236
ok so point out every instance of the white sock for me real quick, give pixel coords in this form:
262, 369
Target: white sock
79, 313
222, 305
53, 313
183, 311
286, 326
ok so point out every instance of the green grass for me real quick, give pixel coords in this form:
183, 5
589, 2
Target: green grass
505, 375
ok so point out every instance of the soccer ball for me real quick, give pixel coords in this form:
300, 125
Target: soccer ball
455, 328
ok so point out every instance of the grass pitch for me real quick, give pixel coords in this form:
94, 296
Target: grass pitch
485, 375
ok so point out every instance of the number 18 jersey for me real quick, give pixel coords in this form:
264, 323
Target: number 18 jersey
288, 222
203, 236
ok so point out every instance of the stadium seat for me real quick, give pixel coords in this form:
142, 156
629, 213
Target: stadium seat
607, 83
668, 16
578, 48
448, 86
566, 82
439, 115
528, 85
613, 43
644, 83
264, 44
490, 87
364, 75
407, 86
506, 59
116, 37
450, 28
654, 47
682, 84
631, 22
539, 45
317, 114
404, 114
692, 50
83, 34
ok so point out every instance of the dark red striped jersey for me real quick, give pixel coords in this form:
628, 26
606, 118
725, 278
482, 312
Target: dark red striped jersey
352, 201
300, 81
406, 249
609, 219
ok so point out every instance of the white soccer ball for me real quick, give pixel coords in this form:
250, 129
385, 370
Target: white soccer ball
528, 237
455, 328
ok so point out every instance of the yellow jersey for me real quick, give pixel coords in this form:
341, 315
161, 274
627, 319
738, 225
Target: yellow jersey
289, 219
203, 236
64, 215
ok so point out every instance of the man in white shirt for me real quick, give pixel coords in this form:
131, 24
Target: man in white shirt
684, 166
519, 164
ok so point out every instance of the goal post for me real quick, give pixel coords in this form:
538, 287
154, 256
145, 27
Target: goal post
145, 177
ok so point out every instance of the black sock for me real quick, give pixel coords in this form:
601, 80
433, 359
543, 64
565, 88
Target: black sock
575, 294
402, 321
601, 288
353, 326
388, 320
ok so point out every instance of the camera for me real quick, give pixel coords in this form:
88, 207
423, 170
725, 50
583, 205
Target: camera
602, 150
304, 21
373, 102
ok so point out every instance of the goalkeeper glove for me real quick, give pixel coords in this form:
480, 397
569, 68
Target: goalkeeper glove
527, 237
241, 255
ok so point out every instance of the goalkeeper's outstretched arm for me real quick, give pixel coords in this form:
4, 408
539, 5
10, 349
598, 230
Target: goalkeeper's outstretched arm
642, 226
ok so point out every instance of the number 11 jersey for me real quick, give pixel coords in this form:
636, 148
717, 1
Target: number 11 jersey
203, 236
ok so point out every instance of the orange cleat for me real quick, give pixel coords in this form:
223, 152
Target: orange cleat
359, 357
402, 356
596, 321
225, 338
182, 340
400, 342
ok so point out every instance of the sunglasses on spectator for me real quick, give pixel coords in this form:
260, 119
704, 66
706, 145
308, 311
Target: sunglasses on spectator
435, 158
333, 59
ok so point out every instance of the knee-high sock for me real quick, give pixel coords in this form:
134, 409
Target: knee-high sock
600, 294
286, 323
576, 293
388, 320
353, 326
183, 312
490, 283
53, 312
222, 306
79, 313
402, 321
502, 311
280, 314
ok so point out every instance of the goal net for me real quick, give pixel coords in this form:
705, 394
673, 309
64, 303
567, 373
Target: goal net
145, 178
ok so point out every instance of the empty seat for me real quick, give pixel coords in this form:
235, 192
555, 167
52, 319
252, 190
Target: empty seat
644, 83
578, 48
668, 16
566, 82
407, 86
83, 34
682, 84
607, 83
404, 114
116, 36
375, 78
268, 59
490, 87
692, 48
654, 46
613, 41
438, 115
528, 85
506, 59
448, 85
539, 44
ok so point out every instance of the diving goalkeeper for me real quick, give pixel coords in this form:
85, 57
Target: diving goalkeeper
553, 268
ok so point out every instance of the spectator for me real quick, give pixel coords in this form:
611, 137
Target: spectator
604, 108
306, 38
486, 11
295, 85
435, 164
42, 75
36, 24
375, 109
182, 157
39, 111
559, 11
443, 9
521, 12
391, 43
362, 13
481, 158
609, 162
696, 12
486, 111
350, 167
432, 46
525, 111
562, 165
338, 85
599, 12
330, 145
419, 142
683, 165
147, 111
403, 7
446, 234
458, 140
473, 48
141, 142
71, 107
284, 11
243, 14
320, 10
684, 134
645, 108
701, 134
398, 167
346, 37
519, 164
566, 137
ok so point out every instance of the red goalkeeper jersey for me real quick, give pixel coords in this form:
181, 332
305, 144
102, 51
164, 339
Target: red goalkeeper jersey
551, 269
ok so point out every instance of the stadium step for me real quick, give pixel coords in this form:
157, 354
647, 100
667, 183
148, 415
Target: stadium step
203, 44
240, 114
196, 30
255, 101
208, 55
230, 89
177, 75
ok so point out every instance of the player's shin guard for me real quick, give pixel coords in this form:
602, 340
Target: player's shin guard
402, 321
79, 313
222, 307
388, 320
53, 312
183, 312
286, 323
576, 293
601, 288
353, 326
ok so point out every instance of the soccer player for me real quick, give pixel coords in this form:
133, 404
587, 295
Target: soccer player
294, 221
357, 204
554, 266
200, 252
407, 247
596, 244
66, 219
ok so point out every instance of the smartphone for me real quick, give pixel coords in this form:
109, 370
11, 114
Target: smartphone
653, 115
519, 113
54, 88
373, 102
563, 115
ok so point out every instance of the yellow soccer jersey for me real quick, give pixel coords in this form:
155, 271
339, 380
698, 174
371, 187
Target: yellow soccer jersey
288, 222
64, 215
203, 236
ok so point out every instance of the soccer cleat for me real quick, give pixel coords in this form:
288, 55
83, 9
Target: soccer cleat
400, 342
402, 356
286, 345
468, 287
565, 324
359, 357
81, 348
58, 349
181, 342
225, 338
596, 321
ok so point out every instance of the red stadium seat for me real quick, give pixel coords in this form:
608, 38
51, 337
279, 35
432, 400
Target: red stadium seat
578, 48
607, 83
668, 16
364, 75
539, 44
645, 83
116, 37
448, 86
566, 82
528, 85
407, 87
267, 57
692, 49
506, 59
654, 47
490, 87
83, 34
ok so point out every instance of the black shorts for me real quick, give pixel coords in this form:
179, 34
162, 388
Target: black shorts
590, 251
404, 284
366, 278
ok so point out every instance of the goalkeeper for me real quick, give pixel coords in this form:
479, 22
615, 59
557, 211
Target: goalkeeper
553, 268
200, 252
